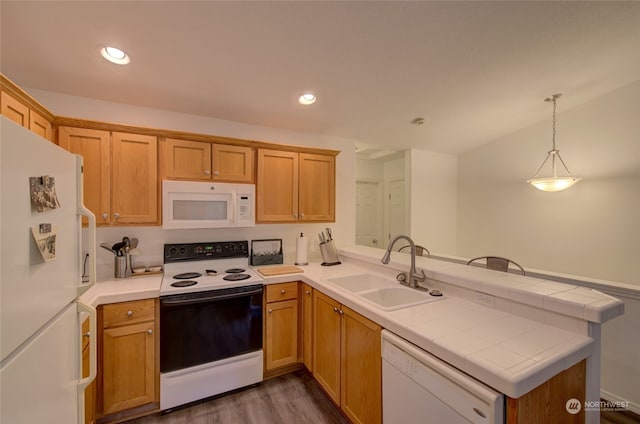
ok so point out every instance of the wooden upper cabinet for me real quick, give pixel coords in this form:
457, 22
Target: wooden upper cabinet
317, 187
120, 174
14, 110
94, 147
134, 177
277, 186
294, 187
198, 160
184, 159
232, 163
22, 109
39, 125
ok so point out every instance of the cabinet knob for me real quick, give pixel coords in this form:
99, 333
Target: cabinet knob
104, 215
129, 313
307, 292
116, 215
295, 215
270, 310
87, 334
283, 291
301, 215
216, 173
335, 309
149, 331
340, 311
207, 172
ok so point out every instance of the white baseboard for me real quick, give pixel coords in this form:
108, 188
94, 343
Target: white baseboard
633, 407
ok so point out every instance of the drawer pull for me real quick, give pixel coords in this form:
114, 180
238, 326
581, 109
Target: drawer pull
283, 291
129, 313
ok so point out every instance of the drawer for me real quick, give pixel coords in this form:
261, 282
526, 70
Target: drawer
116, 314
284, 291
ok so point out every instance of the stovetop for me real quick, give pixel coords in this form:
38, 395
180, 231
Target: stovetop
197, 267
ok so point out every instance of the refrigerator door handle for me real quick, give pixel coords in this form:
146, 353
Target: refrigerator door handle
93, 355
91, 228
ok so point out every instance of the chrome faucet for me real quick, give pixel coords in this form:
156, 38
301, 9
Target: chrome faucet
414, 277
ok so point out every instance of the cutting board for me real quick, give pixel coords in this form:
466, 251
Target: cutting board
279, 270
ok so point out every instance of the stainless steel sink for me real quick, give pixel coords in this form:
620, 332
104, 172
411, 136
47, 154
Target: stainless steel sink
384, 293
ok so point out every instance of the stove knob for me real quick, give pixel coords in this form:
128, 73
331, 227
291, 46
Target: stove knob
172, 251
182, 250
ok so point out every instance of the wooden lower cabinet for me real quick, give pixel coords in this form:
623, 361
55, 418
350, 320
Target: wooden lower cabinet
347, 361
546, 403
306, 326
281, 325
128, 373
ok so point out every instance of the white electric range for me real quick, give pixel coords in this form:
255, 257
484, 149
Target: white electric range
211, 321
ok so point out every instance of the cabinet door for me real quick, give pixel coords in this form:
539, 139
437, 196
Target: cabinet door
277, 186
326, 344
186, 159
361, 368
232, 163
282, 334
128, 365
14, 110
134, 178
306, 298
39, 125
317, 187
93, 146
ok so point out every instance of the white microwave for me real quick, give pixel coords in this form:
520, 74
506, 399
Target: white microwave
189, 204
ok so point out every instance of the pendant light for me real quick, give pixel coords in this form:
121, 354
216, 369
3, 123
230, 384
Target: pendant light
555, 182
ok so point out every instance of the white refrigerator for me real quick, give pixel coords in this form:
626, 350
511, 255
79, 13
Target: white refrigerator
41, 268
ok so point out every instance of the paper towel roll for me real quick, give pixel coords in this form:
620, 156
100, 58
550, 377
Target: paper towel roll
301, 250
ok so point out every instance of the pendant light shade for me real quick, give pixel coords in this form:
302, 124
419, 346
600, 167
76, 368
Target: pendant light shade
554, 182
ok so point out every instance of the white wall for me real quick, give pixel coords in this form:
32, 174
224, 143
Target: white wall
433, 200
152, 238
590, 230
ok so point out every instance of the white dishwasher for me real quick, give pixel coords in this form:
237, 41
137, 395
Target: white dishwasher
420, 388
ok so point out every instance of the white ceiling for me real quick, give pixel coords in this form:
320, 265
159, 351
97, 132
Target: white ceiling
475, 71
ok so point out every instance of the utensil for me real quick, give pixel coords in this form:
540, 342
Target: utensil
134, 243
329, 233
107, 246
117, 248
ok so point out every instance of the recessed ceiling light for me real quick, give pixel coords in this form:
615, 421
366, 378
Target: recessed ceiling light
115, 55
307, 99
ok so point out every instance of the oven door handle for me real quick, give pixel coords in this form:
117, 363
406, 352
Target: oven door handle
176, 302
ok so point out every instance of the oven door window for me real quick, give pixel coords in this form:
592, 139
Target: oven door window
207, 328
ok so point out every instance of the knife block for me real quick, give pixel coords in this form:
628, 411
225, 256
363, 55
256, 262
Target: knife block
329, 254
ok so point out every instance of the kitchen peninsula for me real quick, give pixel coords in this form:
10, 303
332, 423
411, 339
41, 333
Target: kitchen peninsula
512, 333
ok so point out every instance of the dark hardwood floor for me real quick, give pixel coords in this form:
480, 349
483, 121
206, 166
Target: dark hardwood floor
289, 399
293, 398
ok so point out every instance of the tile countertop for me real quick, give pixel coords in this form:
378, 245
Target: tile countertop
507, 351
